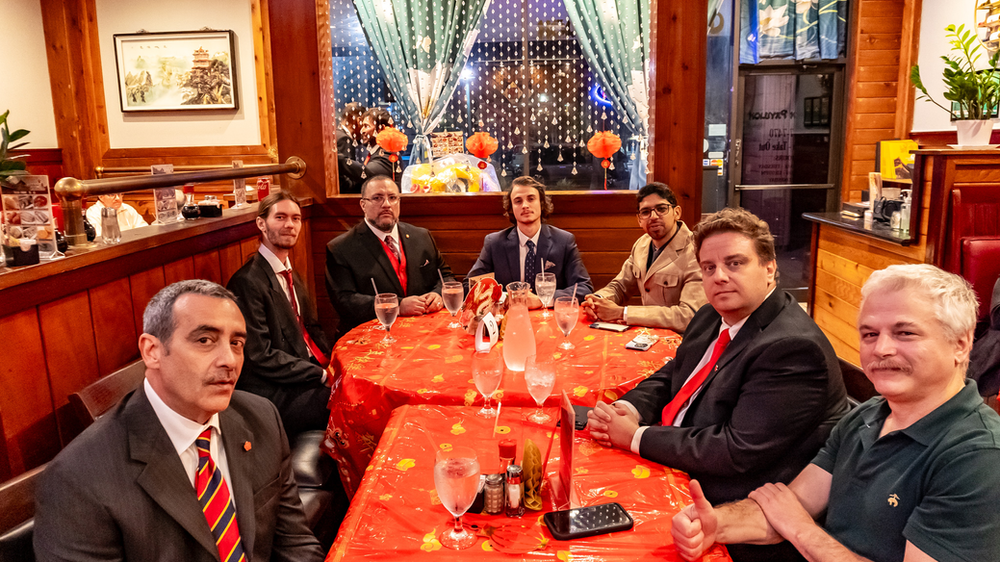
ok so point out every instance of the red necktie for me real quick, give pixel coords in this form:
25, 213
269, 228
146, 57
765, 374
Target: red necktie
213, 495
694, 383
397, 259
313, 348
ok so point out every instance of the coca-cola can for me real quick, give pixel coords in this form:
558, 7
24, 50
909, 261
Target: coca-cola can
263, 188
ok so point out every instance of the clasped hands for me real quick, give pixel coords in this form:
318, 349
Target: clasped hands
603, 309
612, 425
416, 305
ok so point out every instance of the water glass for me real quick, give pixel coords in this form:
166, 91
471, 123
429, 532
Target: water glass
456, 479
545, 287
540, 378
453, 295
487, 373
567, 313
386, 310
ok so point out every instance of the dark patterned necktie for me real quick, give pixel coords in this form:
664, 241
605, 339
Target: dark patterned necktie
530, 265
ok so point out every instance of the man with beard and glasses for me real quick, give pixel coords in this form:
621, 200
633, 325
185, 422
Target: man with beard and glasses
184, 467
287, 352
910, 475
399, 257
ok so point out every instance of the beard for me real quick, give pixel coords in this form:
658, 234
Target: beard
274, 237
383, 223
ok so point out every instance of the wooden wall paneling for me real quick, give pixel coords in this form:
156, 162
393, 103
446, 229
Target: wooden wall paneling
178, 271
207, 266
114, 325
74, 61
230, 260
302, 66
302, 256
262, 67
26, 401
678, 36
908, 47
247, 248
70, 355
5, 471
144, 285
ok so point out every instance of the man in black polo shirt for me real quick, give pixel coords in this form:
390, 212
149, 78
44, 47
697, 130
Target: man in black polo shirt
910, 475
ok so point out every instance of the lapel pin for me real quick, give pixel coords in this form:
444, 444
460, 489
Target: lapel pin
407, 235
247, 446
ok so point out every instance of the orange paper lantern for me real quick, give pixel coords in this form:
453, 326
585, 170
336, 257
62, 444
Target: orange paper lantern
481, 145
603, 144
391, 140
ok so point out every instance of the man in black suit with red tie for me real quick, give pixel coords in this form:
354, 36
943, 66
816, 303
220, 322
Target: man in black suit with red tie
399, 257
287, 352
754, 390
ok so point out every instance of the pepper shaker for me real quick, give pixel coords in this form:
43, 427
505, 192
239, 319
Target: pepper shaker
515, 496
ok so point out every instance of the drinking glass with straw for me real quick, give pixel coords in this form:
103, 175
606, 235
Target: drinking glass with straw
567, 313
453, 294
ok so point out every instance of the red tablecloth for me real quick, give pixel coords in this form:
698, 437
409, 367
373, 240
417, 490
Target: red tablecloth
431, 364
396, 514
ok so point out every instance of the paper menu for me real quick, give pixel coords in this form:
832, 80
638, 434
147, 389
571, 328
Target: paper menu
27, 212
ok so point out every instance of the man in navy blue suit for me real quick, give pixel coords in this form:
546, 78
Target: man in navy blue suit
520, 252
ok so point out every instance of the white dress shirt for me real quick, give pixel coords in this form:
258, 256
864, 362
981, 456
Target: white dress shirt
183, 433
278, 268
523, 250
128, 217
394, 234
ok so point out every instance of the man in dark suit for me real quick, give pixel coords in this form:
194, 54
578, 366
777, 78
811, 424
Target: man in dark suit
348, 138
754, 390
517, 253
287, 352
399, 257
159, 476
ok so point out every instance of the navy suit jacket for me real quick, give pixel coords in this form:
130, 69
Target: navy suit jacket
501, 255
119, 491
357, 256
764, 411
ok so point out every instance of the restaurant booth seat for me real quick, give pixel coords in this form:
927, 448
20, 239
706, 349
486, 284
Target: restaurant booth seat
318, 490
17, 512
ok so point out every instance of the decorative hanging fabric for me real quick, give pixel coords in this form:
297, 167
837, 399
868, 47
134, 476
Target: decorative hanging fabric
614, 37
392, 141
792, 29
421, 47
604, 145
481, 145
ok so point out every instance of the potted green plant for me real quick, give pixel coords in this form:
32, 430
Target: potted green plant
11, 165
975, 91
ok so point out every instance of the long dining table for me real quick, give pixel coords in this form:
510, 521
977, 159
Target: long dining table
396, 513
431, 363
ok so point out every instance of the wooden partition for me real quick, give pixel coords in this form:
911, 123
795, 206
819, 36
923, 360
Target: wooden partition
604, 224
69, 322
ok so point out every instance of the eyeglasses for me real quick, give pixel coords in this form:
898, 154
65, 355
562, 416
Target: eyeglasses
380, 199
660, 210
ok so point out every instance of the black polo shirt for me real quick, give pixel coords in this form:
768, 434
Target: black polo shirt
935, 484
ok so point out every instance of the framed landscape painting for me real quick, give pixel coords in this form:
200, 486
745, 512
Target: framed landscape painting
182, 70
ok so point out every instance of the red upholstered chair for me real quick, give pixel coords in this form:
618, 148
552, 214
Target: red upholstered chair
980, 266
975, 213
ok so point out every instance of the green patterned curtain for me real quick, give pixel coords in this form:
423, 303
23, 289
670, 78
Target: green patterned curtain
614, 37
421, 46
799, 29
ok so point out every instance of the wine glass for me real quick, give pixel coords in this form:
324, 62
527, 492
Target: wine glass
540, 377
386, 310
453, 295
567, 313
545, 286
456, 479
487, 372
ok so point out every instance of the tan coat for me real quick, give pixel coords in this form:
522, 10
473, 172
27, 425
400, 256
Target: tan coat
671, 289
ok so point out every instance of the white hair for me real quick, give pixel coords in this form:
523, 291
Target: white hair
953, 301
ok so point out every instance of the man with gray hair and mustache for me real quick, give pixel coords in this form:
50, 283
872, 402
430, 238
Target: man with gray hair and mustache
909, 475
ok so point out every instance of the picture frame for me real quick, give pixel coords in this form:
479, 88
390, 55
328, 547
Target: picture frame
177, 71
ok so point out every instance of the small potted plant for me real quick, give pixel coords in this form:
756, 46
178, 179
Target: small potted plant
11, 165
976, 91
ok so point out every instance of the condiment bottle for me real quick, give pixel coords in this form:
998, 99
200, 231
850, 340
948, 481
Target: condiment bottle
508, 450
493, 502
110, 231
190, 210
515, 495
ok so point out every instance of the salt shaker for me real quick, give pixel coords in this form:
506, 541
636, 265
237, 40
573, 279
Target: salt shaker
515, 496
110, 232
493, 503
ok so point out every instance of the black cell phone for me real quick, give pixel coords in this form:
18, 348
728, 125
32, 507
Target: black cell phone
580, 421
609, 326
588, 521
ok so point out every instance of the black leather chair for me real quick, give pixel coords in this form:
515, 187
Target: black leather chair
17, 512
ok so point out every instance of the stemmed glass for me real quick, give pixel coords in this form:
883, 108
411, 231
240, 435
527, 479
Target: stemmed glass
567, 313
453, 294
456, 479
540, 377
386, 310
545, 287
487, 372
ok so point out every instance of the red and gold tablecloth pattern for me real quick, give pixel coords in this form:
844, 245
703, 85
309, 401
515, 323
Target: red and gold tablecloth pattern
431, 364
396, 514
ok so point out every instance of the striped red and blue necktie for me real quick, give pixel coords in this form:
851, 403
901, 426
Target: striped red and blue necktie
213, 495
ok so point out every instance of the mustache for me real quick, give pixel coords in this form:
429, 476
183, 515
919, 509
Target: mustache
887, 364
224, 379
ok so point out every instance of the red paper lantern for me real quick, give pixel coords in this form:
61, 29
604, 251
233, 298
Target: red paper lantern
604, 144
481, 145
391, 140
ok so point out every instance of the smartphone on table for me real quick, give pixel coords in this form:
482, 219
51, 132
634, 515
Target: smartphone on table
588, 521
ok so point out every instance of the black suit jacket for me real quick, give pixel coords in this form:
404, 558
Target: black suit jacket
761, 415
276, 359
345, 144
119, 491
501, 255
356, 257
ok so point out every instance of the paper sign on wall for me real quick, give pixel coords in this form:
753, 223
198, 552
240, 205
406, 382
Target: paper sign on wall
487, 333
165, 198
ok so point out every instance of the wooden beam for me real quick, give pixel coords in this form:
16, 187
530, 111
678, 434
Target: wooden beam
909, 44
302, 67
678, 38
